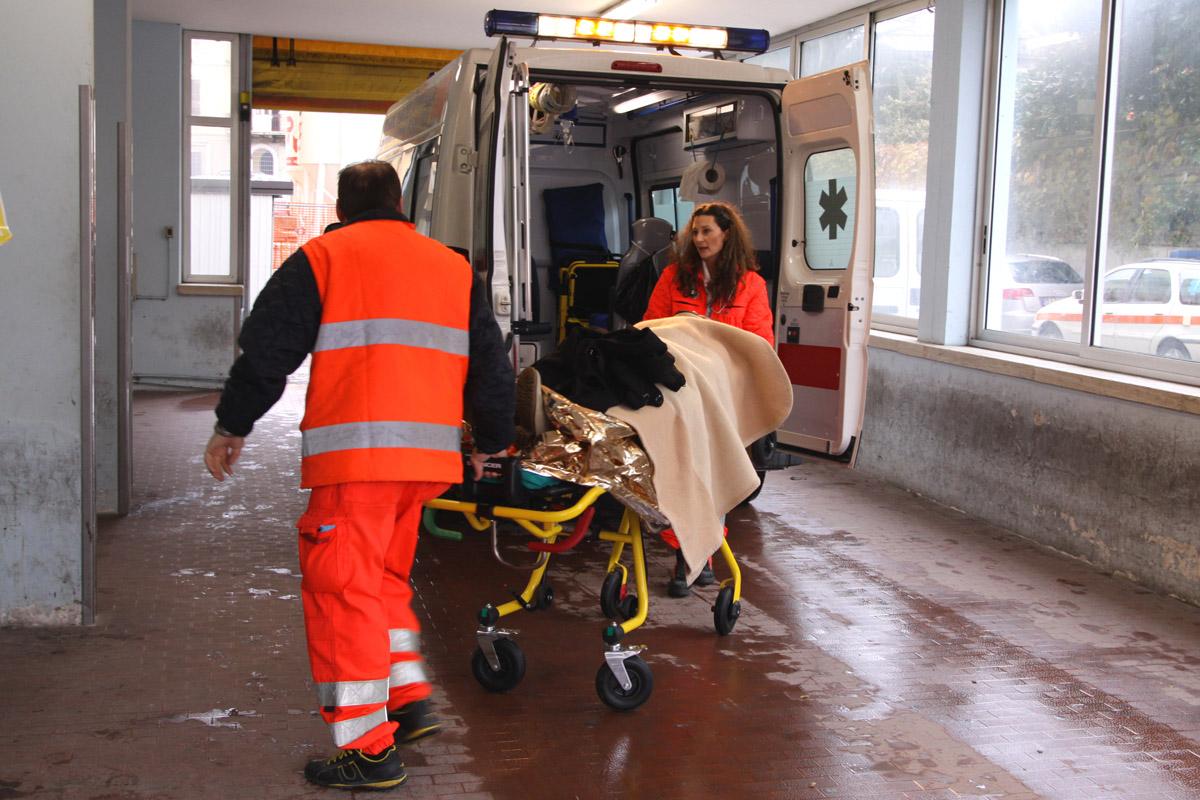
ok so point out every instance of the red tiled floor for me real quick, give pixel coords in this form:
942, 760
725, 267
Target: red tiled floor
888, 648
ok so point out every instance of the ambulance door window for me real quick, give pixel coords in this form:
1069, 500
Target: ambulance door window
420, 191
830, 181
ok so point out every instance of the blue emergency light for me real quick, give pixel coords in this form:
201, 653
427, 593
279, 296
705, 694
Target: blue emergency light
599, 29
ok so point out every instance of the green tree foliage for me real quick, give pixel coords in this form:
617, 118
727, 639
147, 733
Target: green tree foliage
1154, 200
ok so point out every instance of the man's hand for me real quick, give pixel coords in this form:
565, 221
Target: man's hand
222, 453
478, 459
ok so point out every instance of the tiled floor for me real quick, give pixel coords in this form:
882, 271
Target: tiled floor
888, 648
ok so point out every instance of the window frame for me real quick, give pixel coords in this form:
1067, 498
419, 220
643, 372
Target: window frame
1087, 352
897, 323
236, 169
837, 25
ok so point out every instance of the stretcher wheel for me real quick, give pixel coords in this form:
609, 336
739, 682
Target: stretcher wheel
762, 479
512, 666
616, 601
726, 611
614, 696
543, 596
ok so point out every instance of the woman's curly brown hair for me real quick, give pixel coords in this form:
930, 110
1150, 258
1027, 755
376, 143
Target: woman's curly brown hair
734, 261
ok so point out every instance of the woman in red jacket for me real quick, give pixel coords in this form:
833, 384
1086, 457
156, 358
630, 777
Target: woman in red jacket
716, 276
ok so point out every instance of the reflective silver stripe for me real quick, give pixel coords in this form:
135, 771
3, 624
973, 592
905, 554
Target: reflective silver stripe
356, 435
352, 693
404, 641
348, 730
406, 672
363, 332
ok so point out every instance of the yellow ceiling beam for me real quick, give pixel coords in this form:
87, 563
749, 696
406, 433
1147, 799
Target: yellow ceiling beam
339, 76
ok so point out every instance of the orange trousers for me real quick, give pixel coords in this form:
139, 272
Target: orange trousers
357, 543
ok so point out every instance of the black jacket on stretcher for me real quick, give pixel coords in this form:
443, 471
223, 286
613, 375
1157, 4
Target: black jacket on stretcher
282, 330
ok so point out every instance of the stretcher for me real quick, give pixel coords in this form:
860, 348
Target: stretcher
624, 680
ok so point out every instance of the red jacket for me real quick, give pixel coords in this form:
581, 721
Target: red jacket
750, 309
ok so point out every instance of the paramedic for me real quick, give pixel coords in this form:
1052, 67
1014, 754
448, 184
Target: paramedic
715, 276
398, 330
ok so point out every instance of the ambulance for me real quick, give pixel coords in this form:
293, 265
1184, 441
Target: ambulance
536, 159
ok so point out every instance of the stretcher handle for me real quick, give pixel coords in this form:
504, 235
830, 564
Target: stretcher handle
429, 520
508, 512
581, 527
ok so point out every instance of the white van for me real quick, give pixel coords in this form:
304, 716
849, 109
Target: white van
528, 159
899, 237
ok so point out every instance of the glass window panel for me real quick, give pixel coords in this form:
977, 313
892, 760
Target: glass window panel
902, 77
1153, 201
663, 203
830, 188
209, 220
780, 58
212, 77
1117, 285
1189, 289
666, 205
683, 211
423, 202
831, 51
1153, 286
1042, 204
887, 242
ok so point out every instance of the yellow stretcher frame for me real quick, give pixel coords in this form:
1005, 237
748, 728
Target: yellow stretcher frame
547, 525
567, 300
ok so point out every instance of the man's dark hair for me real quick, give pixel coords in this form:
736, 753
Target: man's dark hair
368, 186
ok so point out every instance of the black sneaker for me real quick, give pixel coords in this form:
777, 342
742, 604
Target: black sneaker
706, 576
678, 585
416, 721
354, 769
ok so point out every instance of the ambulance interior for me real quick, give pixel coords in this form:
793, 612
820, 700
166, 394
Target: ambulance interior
602, 157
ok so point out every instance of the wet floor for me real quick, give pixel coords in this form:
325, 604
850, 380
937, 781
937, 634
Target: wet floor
887, 648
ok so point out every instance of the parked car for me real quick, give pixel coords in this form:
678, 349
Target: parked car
1149, 307
1030, 282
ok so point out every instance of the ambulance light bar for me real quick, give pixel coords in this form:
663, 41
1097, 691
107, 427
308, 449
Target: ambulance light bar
598, 29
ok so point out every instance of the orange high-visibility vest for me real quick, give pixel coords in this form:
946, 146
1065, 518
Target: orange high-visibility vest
385, 392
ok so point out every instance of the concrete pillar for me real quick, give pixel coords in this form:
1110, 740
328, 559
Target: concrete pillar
956, 108
45, 55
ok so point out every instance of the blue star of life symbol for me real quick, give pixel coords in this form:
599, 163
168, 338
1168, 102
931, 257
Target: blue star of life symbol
833, 201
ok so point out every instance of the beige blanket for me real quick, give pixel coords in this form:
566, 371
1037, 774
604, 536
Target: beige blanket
737, 391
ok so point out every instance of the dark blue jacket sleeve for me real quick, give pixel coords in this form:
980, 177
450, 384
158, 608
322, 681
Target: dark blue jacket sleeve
491, 387
276, 337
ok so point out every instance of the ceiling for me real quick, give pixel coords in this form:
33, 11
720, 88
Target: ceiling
456, 24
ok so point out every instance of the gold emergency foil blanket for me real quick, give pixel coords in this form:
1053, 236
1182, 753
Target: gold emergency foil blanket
591, 448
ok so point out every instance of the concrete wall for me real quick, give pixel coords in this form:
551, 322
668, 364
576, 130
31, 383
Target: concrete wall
1113, 482
184, 340
112, 108
45, 54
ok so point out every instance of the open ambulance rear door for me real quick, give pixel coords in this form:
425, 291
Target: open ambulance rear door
823, 311
501, 213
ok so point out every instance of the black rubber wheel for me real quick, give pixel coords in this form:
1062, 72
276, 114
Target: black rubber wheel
1173, 349
629, 607
612, 604
762, 479
725, 611
1050, 331
543, 596
614, 696
512, 666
